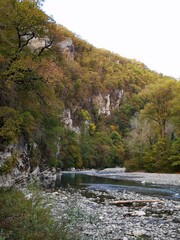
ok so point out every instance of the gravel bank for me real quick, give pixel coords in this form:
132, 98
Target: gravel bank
156, 178
159, 178
104, 221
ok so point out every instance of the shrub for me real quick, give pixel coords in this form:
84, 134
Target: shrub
23, 219
9, 164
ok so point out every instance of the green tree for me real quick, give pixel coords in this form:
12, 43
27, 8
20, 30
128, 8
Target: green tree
174, 157
70, 155
14, 124
175, 110
117, 149
26, 34
158, 107
87, 147
102, 149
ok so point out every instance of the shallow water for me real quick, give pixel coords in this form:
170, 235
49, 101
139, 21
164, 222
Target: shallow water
89, 182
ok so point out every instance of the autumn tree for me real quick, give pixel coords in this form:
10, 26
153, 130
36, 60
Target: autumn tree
26, 33
159, 103
29, 75
153, 138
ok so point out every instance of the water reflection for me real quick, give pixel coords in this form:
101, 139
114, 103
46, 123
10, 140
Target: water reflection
84, 181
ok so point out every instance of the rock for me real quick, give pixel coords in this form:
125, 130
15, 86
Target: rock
135, 213
103, 104
36, 171
176, 220
19, 173
88, 233
102, 221
68, 121
67, 48
138, 233
29, 196
113, 170
125, 238
6, 180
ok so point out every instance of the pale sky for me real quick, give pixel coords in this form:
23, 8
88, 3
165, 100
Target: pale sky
145, 30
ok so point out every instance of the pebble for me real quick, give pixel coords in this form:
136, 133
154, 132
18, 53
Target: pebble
102, 221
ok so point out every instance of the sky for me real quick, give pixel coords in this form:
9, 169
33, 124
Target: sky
145, 30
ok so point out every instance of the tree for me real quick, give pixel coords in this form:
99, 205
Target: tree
158, 107
102, 148
152, 142
27, 32
29, 73
174, 157
117, 149
70, 155
175, 110
14, 124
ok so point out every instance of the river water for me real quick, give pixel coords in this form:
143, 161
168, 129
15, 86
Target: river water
83, 181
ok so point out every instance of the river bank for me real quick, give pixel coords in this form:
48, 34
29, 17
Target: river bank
91, 214
155, 178
88, 214
119, 173
104, 221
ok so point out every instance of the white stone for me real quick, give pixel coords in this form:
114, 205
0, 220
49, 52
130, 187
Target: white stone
138, 233
139, 213
67, 120
36, 171
38, 43
113, 170
103, 104
66, 43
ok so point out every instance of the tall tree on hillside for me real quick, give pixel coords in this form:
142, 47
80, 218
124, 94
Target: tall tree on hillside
28, 68
26, 32
159, 103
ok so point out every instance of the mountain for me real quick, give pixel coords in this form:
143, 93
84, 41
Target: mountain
65, 103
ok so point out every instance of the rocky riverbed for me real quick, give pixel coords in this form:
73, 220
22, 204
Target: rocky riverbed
97, 218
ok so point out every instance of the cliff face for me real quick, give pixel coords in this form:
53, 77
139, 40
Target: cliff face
18, 168
104, 104
14, 160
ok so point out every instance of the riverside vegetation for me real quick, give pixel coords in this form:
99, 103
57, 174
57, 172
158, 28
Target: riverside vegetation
30, 218
78, 106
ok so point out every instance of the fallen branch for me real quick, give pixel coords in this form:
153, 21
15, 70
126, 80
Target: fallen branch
134, 201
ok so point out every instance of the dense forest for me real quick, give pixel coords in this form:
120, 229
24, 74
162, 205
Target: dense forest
79, 106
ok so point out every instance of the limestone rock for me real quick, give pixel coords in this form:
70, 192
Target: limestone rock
67, 48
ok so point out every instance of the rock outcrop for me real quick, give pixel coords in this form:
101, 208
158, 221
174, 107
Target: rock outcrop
104, 104
16, 167
16, 163
67, 48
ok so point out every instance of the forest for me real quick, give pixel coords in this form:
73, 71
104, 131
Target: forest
120, 112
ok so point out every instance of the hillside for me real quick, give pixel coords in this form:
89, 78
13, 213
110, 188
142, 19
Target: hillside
65, 103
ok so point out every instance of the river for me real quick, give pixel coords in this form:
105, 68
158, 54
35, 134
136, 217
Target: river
87, 182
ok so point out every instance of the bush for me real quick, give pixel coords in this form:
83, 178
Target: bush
23, 219
9, 164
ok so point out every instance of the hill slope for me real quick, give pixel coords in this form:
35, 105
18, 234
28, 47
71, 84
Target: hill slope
68, 104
